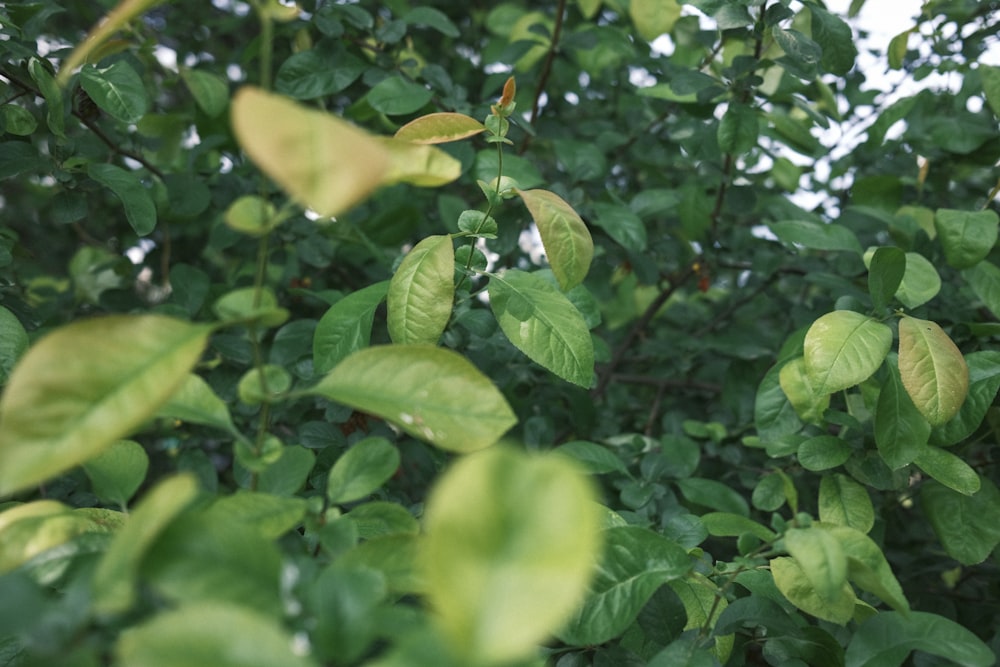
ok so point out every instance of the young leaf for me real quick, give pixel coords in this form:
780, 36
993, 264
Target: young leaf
887, 639
932, 369
431, 393
541, 322
117, 472
636, 562
439, 128
422, 291
886, 269
347, 326
568, 245
949, 470
844, 502
127, 186
822, 560
791, 580
86, 385
420, 165
809, 403
966, 236
967, 526
510, 548
322, 161
900, 429
361, 470
844, 348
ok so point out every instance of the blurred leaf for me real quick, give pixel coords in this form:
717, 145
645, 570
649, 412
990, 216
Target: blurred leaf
13, 343
418, 164
966, 236
117, 472
361, 470
887, 639
395, 96
210, 92
738, 129
653, 18
127, 186
816, 235
439, 128
195, 402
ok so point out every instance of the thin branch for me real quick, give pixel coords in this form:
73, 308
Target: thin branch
543, 77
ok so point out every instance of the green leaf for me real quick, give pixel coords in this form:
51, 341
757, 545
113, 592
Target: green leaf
703, 603
886, 269
844, 348
395, 96
901, 431
885, 640
541, 322
808, 401
287, 475
568, 245
395, 556
117, 572
816, 235
636, 562
932, 369
263, 384
844, 502
821, 558
724, 524
589, 7
439, 128
208, 633
13, 343
317, 72
432, 18
431, 393
347, 326
210, 91
622, 225
774, 414
653, 18
984, 381
898, 46
322, 161
381, 519
17, 120
252, 215
269, 516
984, 279
713, 494
966, 236
802, 54
127, 186
868, 568
422, 291
86, 385
835, 38
116, 473
791, 580
361, 470
196, 402
948, 469
511, 545
823, 452
990, 77
250, 305
28, 531
738, 129
345, 599
596, 458
117, 90
921, 281
55, 116
967, 526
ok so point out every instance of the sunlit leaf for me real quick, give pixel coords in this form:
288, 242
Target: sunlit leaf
822, 560
844, 348
85, 386
921, 281
422, 291
568, 244
439, 128
117, 90
932, 369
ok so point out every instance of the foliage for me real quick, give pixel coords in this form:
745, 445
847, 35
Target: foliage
573, 333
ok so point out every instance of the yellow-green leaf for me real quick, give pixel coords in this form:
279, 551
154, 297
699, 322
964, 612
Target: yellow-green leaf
324, 162
822, 560
653, 18
512, 542
417, 164
790, 578
85, 386
932, 368
844, 348
421, 292
809, 403
568, 244
440, 128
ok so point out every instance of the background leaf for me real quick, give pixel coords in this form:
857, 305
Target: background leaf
887, 639
361, 470
127, 186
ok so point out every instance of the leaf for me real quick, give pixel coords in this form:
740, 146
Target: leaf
248, 305
541, 322
269, 516
984, 381
821, 558
116, 473
317, 72
422, 291
886, 269
713, 494
622, 225
844, 348
210, 91
932, 369
346, 599
116, 574
589, 7
510, 548
433, 394
966, 236
322, 161
54, 114
885, 640
31, 529
196, 402
347, 326
208, 633
117, 90
439, 128
361, 470
901, 431
844, 502
86, 385
921, 281
635, 563
949, 470
420, 165
724, 524
990, 77
653, 18
835, 38
791, 580
395, 96
287, 475
816, 235
774, 415
738, 129
868, 568
381, 519
967, 526
13, 343
898, 46
703, 603
823, 452
568, 245
127, 186
809, 403
802, 54
595, 458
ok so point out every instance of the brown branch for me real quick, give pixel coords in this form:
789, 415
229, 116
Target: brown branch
543, 76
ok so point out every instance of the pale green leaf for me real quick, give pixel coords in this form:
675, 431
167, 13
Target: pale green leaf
13, 342
439, 128
653, 18
948, 469
208, 633
844, 348
966, 236
347, 326
210, 91
511, 545
932, 369
885, 640
541, 322
249, 304
821, 558
361, 470
431, 393
422, 291
921, 281
197, 403
808, 401
844, 502
589, 7
418, 164
867, 567
791, 580
127, 186
28, 530
116, 473
322, 161
86, 385
568, 244
967, 526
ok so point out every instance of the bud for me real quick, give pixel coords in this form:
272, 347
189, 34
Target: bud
509, 88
